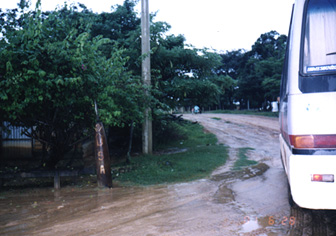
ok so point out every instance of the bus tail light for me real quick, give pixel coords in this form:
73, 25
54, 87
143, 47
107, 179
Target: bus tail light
313, 141
322, 178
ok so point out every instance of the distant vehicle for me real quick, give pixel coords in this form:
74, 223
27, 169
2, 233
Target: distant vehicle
308, 105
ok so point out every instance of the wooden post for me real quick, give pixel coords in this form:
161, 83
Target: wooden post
103, 163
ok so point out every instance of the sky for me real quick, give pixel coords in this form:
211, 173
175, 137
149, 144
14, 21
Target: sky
221, 25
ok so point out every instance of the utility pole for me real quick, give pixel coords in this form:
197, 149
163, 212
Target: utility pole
147, 141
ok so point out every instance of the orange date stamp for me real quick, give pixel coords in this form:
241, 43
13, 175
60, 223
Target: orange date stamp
272, 220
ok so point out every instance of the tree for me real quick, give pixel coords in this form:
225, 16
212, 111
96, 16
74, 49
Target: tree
171, 60
183, 76
232, 63
52, 71
259, 78
122, 26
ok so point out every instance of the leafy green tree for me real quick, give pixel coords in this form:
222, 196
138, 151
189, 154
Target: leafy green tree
184, 76
122, 26
232, 63
51, 72
172, 62
259, 78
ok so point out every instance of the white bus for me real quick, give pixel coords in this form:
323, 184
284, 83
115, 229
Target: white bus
308, 105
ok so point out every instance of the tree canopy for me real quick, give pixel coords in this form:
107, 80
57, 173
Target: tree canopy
258, 71
253, 77
54, 65
52, 71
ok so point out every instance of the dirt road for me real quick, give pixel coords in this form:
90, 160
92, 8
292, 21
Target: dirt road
252, 201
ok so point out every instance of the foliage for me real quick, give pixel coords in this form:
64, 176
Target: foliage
260, 78
165, 130
172, 131
232, 63
122, 25
52, 71
54, 65
184, 76
257, 72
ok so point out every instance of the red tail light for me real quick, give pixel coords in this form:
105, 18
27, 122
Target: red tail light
313, 141
322, 178
317, 178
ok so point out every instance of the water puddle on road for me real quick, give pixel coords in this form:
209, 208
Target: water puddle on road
178, 209
250, 224
204, 207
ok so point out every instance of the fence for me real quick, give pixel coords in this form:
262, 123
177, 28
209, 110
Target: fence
14, 144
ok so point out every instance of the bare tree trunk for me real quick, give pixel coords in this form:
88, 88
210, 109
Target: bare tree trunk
128, 159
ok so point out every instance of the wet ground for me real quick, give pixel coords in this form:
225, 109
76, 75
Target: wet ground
250, 201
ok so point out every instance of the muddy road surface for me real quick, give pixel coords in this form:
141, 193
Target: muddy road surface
249, 201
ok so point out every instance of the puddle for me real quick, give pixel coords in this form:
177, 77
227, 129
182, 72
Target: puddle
224, 195
247, 173
250, 224
254, 225
178, 209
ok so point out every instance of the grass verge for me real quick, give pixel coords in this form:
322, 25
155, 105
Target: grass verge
246, 112
243, 160
216, 118
199, 155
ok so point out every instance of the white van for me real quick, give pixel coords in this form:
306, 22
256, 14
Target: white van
308, 105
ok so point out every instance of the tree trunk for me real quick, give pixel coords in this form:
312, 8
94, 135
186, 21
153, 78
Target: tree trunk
53, 157
128, 159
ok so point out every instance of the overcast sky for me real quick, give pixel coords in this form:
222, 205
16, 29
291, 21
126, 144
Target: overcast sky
216, 24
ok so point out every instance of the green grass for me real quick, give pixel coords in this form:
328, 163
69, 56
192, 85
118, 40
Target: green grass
216, 118
201, 155
243, 160
188, 135
246, 112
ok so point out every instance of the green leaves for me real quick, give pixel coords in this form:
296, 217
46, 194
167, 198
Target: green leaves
259, 71
54, 65
3, 95
9, 67
184, 76
51, 71
42, 73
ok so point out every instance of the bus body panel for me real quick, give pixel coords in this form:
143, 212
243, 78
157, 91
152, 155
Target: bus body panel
312, 113
308, 194
306, 113
299, 170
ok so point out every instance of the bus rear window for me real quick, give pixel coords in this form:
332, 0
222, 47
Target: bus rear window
320, 37
318, 68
